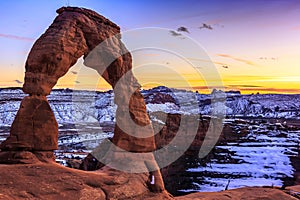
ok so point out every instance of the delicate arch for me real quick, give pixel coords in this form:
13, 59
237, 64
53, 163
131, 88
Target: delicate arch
76, 32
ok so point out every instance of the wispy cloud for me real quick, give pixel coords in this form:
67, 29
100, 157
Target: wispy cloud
15, 37
18, 81
207, 61
206, 26
248, 62
221, 87
244, 86
174, 33
275, 90
152, 54
183, 29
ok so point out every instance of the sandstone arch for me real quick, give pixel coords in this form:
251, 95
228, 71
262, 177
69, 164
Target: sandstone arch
74, 32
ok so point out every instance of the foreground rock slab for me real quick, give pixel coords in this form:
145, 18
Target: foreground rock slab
53, 181
249, 193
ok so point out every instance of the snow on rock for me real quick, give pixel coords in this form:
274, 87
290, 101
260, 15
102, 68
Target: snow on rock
90, 106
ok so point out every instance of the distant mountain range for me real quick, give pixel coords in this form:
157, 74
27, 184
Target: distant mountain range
71, 106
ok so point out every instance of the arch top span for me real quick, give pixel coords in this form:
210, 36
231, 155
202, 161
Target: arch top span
75, 32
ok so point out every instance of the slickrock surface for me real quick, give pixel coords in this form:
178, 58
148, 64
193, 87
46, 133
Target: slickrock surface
52, 181
249, 193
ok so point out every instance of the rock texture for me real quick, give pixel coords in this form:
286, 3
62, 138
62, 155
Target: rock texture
249, 193
74, 33
52, 182
34, 127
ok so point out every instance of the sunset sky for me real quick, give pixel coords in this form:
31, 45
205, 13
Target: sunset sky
254, 45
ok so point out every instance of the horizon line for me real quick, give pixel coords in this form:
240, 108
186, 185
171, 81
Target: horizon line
263, 91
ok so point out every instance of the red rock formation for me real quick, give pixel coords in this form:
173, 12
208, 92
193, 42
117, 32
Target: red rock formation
34, 127
76, 32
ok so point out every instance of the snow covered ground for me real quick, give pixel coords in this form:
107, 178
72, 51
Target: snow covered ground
261, 158
88, 106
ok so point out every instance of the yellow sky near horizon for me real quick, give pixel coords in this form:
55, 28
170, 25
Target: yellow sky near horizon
177, 74
186, 77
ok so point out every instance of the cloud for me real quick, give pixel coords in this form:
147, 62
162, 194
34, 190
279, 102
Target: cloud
248, 62
183, 29
268, 58
174, 33
15, 37
244, 86
206, 26
151, 54
275, 90
208, 87
207, 61
18, 81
